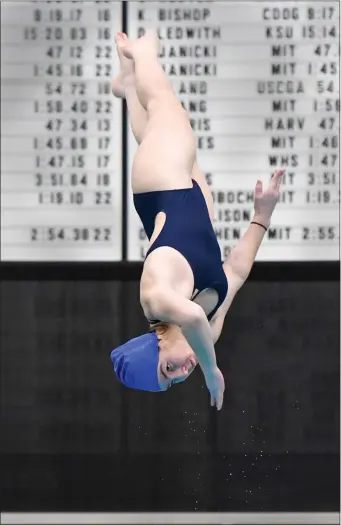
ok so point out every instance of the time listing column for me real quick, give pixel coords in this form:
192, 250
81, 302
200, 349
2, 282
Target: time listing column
61, 132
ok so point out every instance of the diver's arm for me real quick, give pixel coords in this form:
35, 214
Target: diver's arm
171, 307
243, 255
237, 268
240, 261
216, 327
234, 284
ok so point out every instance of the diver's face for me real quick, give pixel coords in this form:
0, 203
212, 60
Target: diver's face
176, 364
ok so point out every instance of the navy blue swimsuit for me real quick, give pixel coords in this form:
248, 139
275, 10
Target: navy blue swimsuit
188, 229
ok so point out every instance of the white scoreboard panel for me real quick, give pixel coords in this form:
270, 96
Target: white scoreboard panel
261, 83
61, 132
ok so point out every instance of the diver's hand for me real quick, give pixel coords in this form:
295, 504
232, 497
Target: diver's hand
216, 385
265, 201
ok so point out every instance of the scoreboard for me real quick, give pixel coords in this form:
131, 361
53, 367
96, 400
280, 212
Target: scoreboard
260, 81
61, 168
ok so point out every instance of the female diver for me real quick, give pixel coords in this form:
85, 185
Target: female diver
185, 290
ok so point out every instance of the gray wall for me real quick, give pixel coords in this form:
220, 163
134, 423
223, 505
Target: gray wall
74, 439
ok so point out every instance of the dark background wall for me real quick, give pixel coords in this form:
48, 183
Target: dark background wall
73, 439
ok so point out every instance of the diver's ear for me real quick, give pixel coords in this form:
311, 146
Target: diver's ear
159, 328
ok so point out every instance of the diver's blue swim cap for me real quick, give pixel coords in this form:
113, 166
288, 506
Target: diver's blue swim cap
135, 363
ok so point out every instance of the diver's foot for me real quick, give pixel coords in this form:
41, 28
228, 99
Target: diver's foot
147, 44
118, 87
126, 67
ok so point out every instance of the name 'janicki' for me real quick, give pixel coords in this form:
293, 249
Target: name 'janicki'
195, 51
197, 70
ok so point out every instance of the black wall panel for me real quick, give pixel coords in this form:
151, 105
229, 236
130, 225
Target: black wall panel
74, 439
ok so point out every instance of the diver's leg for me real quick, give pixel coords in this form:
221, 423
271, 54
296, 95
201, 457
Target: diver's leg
166, 154
138, 115
138, 118
124, 87
136, 112
151, 81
